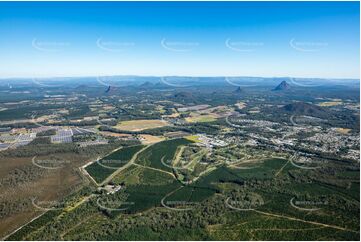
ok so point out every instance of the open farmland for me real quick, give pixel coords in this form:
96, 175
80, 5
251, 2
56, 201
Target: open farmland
104, 167
139, 125
163, 150
330, 103
195, 118
150, 139
209, 114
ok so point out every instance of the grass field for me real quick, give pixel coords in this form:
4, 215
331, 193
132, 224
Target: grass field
195, 118
150, 139
193, 138
330, 104
145, 187
136, 175
206, 186
144, 197
263, 170
130, 175
139, 125
152, 157
111, 162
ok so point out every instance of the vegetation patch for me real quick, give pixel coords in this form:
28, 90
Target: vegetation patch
143, 197
103, 168
163, 150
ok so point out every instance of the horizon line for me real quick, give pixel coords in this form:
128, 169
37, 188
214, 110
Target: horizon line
199, 76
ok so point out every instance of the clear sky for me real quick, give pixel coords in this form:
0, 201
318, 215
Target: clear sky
299, 39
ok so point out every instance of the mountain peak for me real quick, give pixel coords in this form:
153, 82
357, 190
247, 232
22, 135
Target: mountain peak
282, 86
238, 90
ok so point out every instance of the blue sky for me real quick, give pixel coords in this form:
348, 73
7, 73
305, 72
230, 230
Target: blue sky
299, 39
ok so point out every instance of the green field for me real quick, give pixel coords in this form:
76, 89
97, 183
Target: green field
145, 188
147, 196
148, 186
114, 160
265, 170
152, 156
